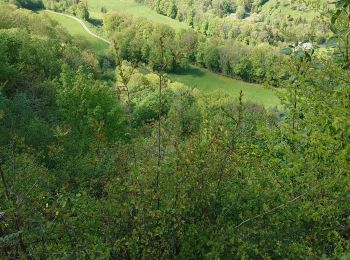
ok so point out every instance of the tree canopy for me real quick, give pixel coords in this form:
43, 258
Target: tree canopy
106, 157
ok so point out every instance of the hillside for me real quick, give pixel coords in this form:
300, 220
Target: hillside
132, 8
272, 21
74, 29
210, 82
201, 79
124, 136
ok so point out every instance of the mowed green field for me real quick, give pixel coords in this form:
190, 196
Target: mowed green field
76, 30
132, 8
208, 81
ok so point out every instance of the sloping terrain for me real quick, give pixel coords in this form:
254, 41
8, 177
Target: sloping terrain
75, 28
130, 7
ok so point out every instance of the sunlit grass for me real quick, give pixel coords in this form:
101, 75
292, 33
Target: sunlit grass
130, 7
75, 29
208, 81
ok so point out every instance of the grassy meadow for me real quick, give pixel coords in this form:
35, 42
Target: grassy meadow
76, 30
208, 81
132, 8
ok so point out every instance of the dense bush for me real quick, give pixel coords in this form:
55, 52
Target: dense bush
147, 168
30, 4
224, 19
138, 40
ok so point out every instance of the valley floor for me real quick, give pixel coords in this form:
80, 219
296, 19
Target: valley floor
193, 77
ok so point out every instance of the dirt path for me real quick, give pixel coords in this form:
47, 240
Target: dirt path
82, 24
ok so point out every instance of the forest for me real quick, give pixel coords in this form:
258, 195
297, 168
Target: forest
106, 152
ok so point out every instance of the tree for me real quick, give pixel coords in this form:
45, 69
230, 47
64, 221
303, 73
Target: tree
30, 4
211, 58
103, 10
83, 11
185, 115
340, 26
172, 10
240, 13
87, 106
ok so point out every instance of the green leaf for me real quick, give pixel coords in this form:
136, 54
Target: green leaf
299, 54
287, 51
335, 16
308, 57
6, 240
318, 65
332, 42
334, 29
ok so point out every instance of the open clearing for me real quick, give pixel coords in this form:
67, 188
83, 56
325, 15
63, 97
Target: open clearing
132, 8
208, 81
77, 30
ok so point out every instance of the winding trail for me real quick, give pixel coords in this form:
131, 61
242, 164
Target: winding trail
82, 24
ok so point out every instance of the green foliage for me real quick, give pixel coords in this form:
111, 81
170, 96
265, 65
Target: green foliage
30, 4
87, 107
147, 168
135, 8
62, 5
184, 47
210, 55
22, 55
185, 115
272, 21
134, 44
340, 25
82, 11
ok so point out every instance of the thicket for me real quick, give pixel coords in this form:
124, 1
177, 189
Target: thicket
78, 8
146, 168
135, 40
246, 21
